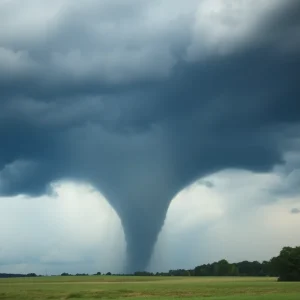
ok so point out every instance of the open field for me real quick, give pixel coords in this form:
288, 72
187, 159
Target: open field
110, 287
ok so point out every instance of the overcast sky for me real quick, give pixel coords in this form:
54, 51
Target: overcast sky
181, 117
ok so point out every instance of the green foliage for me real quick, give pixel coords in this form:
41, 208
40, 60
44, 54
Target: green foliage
287, 264
143, 273
244, 268
179, 272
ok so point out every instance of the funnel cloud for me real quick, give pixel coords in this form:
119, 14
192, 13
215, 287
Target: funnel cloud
142, 99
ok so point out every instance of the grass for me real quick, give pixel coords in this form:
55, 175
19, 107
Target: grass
154, 288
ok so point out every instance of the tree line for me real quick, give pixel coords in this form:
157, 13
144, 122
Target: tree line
8, 275
285, 266
220, 268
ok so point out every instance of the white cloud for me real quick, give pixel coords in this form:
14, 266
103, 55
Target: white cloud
72, 230
239, 218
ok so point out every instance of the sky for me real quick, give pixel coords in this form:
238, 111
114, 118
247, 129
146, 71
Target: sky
147, 135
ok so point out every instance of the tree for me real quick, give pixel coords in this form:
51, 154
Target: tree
266, 268
142, 273
233, 271
223, 268
98, 273
287, 264
179, 272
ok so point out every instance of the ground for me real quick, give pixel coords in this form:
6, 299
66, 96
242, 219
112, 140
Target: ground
154, 288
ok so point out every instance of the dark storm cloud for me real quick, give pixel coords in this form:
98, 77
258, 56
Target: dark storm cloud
136, 119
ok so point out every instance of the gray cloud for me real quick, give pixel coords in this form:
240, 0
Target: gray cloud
289, 182
206, 183
116, 101
295, 211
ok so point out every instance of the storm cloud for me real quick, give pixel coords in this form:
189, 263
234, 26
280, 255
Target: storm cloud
142, 99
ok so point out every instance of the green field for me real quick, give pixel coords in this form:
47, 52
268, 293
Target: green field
106, 287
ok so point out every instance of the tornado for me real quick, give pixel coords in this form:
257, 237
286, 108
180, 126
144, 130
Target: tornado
141, 230
142, 215
140, 185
